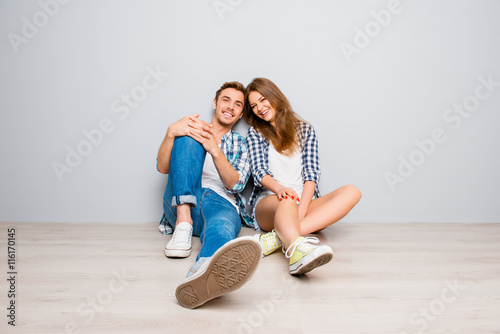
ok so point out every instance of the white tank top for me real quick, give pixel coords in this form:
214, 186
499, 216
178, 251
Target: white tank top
286, 169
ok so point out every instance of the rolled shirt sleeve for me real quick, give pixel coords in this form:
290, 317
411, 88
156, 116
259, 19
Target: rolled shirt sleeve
258, 150
239, 158
310, 154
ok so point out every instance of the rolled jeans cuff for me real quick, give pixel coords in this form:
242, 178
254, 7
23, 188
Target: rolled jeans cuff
178, 200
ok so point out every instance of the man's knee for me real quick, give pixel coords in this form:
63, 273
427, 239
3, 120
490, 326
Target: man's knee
187, 143
232, 229
186, 148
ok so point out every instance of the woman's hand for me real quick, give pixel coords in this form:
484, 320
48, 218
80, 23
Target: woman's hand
285, 193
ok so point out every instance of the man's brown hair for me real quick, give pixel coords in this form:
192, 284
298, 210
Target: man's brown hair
232, 84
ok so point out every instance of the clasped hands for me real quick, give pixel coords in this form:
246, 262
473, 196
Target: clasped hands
195, 128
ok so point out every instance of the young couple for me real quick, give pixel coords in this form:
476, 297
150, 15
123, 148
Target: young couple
208, 165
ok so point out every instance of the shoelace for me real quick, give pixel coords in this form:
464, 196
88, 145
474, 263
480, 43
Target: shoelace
271, 239
304, 244
182, 234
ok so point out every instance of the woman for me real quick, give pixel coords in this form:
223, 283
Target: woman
285, 166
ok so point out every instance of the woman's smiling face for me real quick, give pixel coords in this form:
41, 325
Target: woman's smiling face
261, 107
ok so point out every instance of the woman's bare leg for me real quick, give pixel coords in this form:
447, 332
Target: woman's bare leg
286, 221
280, 215
329, 208
265, 211
271, 213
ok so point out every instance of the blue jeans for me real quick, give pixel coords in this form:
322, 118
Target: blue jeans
215, 220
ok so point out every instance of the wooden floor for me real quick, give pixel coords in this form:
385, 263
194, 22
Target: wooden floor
384, 278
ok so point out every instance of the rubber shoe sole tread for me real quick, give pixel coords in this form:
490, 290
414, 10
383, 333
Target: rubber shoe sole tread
320, 260
178, 253
229, 269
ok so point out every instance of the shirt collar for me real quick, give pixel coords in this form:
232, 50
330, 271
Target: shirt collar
227, 136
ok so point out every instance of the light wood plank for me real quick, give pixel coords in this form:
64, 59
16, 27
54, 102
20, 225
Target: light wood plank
384, 278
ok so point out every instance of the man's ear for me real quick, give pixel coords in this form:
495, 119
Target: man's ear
214, 104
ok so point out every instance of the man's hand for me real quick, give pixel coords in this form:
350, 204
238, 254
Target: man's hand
186, 125
201, 131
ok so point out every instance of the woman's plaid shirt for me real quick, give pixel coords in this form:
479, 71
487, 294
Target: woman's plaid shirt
258, 149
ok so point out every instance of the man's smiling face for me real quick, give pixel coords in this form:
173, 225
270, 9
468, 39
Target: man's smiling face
229, 106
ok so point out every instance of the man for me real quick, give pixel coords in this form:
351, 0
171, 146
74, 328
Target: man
208, 165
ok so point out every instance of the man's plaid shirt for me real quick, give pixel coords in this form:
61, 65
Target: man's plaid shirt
234, 147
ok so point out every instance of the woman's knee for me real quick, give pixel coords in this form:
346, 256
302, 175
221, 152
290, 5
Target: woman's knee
353, 192
288, 203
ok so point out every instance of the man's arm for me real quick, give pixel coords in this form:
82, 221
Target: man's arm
228, 175
184, 127
240, 160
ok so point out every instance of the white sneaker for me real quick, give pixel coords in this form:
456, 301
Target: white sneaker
180, 244
227, 270
304, 256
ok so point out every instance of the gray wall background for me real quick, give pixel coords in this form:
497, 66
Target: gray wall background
397, 90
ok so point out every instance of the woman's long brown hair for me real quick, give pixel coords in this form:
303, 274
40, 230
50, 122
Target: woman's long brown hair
283, 136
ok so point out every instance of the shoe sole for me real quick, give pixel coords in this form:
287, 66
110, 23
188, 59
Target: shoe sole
177, 253
315, 263
230, 268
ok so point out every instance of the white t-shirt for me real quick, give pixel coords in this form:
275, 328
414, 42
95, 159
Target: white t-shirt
210, 179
